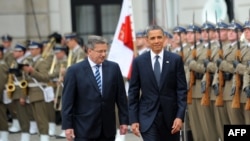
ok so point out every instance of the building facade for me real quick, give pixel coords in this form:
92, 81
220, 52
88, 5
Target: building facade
35, 19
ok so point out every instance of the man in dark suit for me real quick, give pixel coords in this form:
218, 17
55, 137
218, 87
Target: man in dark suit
158, 113
92, 87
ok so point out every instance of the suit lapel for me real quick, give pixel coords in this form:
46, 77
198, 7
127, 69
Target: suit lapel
105, 75
91, 74
165, 65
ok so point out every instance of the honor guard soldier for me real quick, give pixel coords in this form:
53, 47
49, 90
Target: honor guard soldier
190, 53
197, 70
141, 42
4, 133
54, 38
227, 66
8, 57
56, 73
76, 52
168, 41
7, 44
243, 69
179, 39
219, 110
19, 94
38, 78
210, 46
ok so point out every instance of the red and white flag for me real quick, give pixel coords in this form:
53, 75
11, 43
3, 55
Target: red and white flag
122, 49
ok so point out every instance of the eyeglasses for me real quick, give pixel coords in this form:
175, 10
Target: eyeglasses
100, 51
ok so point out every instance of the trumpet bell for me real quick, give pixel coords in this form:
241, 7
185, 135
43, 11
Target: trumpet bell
10, 87
23, 84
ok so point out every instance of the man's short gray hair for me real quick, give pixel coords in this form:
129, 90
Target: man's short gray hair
153, 27
93, 40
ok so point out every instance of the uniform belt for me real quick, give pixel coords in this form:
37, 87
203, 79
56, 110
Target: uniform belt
17, 83
227, 76
53, 84
36, 85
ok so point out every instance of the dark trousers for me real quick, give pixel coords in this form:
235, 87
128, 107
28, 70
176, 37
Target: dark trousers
159, 132
101, 138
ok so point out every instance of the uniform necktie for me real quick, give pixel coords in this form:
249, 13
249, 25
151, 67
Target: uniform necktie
157, 70
69, 61
98, 78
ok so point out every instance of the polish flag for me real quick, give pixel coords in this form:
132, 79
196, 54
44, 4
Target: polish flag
122, 47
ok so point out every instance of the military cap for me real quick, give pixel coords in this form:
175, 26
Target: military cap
193, 28
179, 29
235, 25
58, 48
34, 44
70, 36
139, 34
6, 38
207, 26
169, 35
1, 48
246, 24
221, 25
20, 47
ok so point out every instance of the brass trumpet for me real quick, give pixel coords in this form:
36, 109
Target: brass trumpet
10, 86
58, 102
48, 47
23, 85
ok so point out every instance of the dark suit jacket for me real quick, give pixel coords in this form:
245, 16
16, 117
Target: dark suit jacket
171, 94
83, 107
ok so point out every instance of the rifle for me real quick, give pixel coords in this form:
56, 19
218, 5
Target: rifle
192, 73
247, 106
236, 98
179, 34
219, 99
205, 101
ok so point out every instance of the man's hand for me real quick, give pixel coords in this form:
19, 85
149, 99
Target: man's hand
22, 101
216, 89
123, 129
135, 129
176, 126
28, 69
69, 134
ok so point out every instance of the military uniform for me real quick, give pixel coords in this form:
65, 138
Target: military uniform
208, 119
54, 75
243, 69
3, 117
192, 112
219, 111
20, 93
194, 108
8, 57
37, 81
76, 52
235, 114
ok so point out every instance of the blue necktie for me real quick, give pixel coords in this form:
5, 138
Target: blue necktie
98, 78
157, 70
